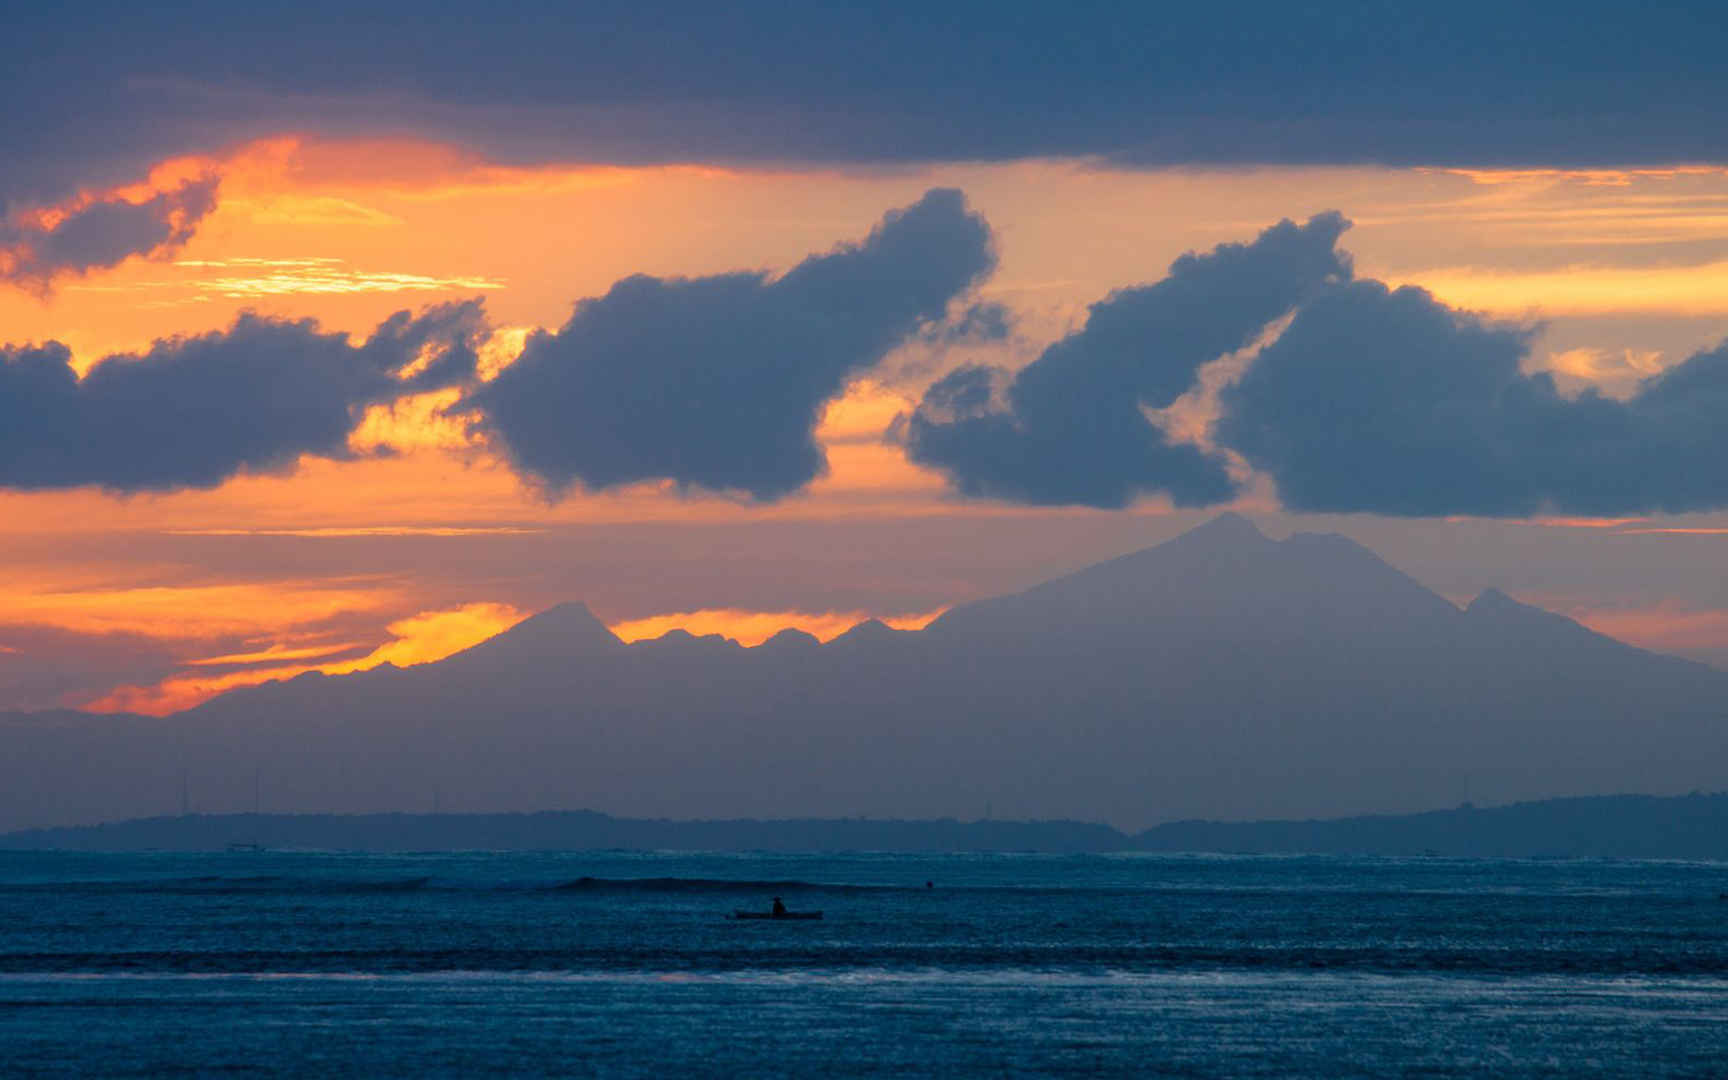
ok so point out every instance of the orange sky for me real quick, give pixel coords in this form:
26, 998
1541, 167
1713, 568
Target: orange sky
1628, 270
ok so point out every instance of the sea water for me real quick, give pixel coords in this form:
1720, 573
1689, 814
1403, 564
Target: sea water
626, 964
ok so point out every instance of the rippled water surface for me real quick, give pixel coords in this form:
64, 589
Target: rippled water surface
627, 964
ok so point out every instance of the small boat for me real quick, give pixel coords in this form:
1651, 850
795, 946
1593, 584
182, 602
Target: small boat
781, 916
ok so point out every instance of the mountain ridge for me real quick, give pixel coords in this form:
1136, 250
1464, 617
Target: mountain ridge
1693, 826
1221, 674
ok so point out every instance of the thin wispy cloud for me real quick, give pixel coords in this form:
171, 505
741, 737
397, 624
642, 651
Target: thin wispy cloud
338, 532
254, 278
275, 654
417, 639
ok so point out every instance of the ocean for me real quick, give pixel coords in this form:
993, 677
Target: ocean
626, 964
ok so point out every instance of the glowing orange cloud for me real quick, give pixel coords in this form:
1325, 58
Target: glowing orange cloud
249, 278
418, 422
433, 635
418, 639
754, 627
194, 611
1581, 290
1619, 370
337, 532
275, 654
1588, 177
1583, 522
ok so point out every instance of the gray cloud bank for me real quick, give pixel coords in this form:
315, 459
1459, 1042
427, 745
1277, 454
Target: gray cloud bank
113, 86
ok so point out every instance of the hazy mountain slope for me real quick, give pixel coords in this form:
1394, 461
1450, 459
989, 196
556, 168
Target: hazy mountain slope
1611, 826
1222, 674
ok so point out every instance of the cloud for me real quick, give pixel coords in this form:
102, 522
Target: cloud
255, 278
104, 233
416, 639
1388, 401
194, 411
349, 532
752, 628
204, 610
718, 382
1071, 427
1687, 291
114, 86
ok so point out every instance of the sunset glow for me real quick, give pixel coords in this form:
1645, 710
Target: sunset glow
752, 628
346, 230
418, 639
1178, 538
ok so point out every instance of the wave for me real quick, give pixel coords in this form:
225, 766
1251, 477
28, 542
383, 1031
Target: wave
282, 883
790, 957
718, 886
222, 885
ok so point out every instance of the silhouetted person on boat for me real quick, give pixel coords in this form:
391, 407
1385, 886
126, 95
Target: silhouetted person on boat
779, 908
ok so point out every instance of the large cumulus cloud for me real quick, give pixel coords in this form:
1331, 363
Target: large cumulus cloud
1390, 402
194, 411
718, 382
1074, 429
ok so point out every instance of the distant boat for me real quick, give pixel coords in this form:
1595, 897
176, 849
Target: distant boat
245, 845
781, 916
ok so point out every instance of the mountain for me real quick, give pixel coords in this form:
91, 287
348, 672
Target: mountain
1694, 826
571, 830
540, 641
1220, 675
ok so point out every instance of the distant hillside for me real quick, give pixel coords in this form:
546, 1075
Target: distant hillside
1609, 826
563, 830
1613, 826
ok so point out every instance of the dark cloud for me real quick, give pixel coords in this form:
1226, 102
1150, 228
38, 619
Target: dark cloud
1073, 427
105, 233
982, 323
718, 382
191, 412
1387, 401
112, 86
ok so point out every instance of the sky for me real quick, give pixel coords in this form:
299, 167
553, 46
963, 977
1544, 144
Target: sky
355, 336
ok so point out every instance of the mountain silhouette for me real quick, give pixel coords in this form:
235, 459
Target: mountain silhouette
552, 637
1221, 675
